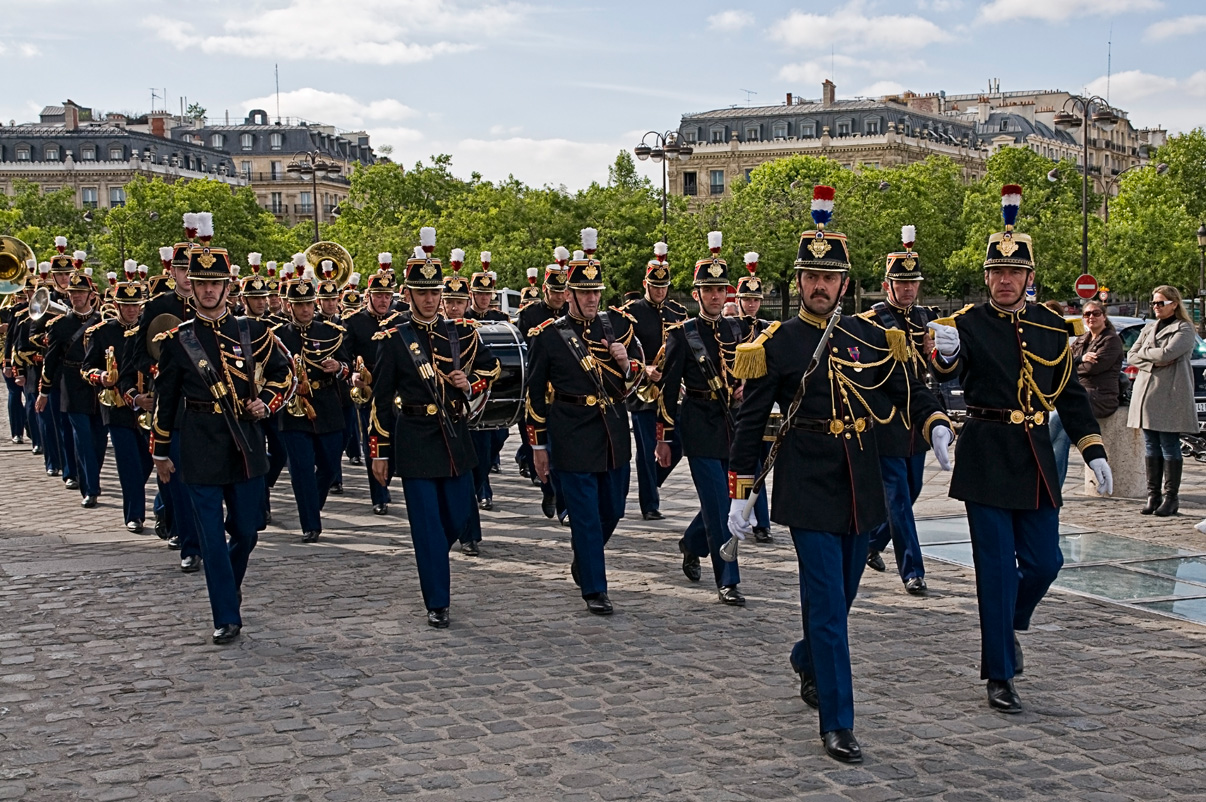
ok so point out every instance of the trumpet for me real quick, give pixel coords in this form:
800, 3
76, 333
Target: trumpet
109, 396
362, 395
299, 406
649, 392
144, 417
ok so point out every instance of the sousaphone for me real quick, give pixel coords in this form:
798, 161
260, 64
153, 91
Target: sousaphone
338, 254
15, 258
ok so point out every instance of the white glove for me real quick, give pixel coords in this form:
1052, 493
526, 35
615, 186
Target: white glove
946, 339
738, 526
1103, 474
940, 438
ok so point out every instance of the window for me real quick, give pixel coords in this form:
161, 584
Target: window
277, 206
689, 136
716, 182
306, 202
88, 153
807, 130
217, 141
117, 196
276, 171
718, 135
689, 184
1004, 125
779, 130
246, 141
22, 153
843, 128
276, 141
752, 134
871, 127
52, 153
748, 170
245, 169
116, 153
88, 196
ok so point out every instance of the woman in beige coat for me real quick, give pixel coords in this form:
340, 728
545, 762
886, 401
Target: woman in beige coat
1162, 399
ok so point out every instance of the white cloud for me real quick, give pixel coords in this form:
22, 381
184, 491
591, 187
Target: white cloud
881, 88
730, 21
358, 31
1155, 100
1196, 84
505, 130
333, 108
939, 5
535, 162
809, 75
1180, 26
1127, 88
23, 50
1060, 10
854, 28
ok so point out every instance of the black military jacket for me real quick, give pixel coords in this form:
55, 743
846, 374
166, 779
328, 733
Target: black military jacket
64, 360
169, 303
208, 451
827, 475
405, 422
19, 353
11, 316
359, 330
588, 432
490, 315
534, 314
896, 437
312, 345
1016, 362
703, 427
651, 321
101, 337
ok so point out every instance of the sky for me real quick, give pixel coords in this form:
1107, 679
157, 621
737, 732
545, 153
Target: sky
551, 92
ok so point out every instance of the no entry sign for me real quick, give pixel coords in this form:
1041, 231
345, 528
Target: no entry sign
1086, 286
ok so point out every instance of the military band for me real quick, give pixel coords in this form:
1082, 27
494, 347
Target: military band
218, 383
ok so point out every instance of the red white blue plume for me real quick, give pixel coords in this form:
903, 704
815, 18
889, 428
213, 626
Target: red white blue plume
78, 257
751, 262
822, 205
427, 239
299, 260
111, 277
190, 225
1011, 202
60, 244
43, 268
485, 257
270, 268
660, 249
165, 256
254, 260
590, 240
205, 226
456, 258
908, 235
533, 272
561, 255
143, 271
130, 267
715, 239
353, 281
328, 268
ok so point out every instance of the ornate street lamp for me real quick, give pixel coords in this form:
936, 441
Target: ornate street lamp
1095, 110
311, 166
1201, 278
666, 147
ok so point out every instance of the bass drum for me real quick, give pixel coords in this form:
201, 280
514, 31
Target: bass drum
503, 404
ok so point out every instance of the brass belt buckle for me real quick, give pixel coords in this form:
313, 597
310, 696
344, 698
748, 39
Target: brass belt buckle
591, 400
836, 427
1017, 416
1038, 418
860, 425
431, 409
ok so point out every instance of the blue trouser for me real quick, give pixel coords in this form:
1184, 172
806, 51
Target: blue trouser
33, 422
16, 408
278, 455
313, 460
133, 467
595, 502
351, 433
709, 529
1166, 444
761, 506
184, 524
378, 493
903, 477
438, 511
650, 475
226, 563
1061, 444
90, 441
830, 569
62, 430
499, 440
1017, 557
483, 444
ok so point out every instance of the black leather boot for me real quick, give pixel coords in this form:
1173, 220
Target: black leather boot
1172, 487
1155, 474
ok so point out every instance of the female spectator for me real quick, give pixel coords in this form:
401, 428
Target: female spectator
1097, 359
1162, 399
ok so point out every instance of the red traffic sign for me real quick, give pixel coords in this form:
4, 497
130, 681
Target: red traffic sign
1086, 286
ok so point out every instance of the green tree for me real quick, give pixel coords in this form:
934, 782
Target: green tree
1151, 236
37, 217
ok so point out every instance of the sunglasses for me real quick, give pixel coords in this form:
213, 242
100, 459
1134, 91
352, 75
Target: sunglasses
1158, 304
1092, 313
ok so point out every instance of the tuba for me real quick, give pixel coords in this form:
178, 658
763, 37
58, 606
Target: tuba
15, 256
337, 254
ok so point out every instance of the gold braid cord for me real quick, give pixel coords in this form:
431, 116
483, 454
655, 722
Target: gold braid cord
847, 386
1027, 386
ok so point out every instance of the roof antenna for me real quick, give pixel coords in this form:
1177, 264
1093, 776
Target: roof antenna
1109, 60
276, 69
748, 92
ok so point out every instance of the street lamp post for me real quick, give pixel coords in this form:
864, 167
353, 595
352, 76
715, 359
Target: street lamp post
312, 166
1099, 112
666, 147
1108, 188
1202, 279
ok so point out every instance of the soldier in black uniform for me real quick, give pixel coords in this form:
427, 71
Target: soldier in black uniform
590, 359
55, 426
830, 490
312, 424
699, 356
902, 448
26, 357
749, 302
550, 307
454, 303
427, 370
218, 376
652, 313
360, 328
12, 316
256, 294
329, 294
487, 442
64, 358
530, 294
106, 345
1015, 366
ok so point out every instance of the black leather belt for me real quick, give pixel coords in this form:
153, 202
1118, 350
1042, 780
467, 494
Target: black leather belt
702, 395
832, 426
421, 410
69, 364
1014, 416
212, 408
318, 384
579, 400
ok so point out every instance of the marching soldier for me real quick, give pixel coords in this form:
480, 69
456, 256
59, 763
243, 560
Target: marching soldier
530, 294
312, 426
456, 288
360, 328
257, 293
329, 295
902, 448
653, 313
831, 491
749, 302
427, 370
487, 442
590, 359
54, 422
28, 354
218, 375
1013, 360
16, 396
21, 415
699, 355
64, 358
106, 345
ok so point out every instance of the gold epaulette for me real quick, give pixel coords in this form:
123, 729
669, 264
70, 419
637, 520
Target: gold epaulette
467, 321
381, 323
337, 327
950, 321
163, 335
750, 360
626, 316
1076, 326
898, 344
130, 332
868, 316
88, 331
678, 324
532, 332
675, 305
384, 334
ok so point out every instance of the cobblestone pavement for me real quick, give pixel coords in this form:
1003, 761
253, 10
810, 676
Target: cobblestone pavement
110, 689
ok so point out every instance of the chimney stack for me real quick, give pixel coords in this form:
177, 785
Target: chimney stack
71, 116
789, 98
828, 91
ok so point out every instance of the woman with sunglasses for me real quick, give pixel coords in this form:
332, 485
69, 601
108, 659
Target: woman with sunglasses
1097, 357
1162, 399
